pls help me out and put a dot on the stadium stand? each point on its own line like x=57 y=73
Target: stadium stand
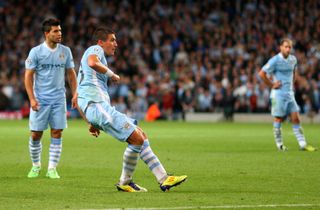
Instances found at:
x=184 y=56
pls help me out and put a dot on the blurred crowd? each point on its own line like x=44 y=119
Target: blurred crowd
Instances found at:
x=183 y=56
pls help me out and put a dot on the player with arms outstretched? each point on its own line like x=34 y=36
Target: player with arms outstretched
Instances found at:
x=46 y=66
x=282 y=67
x=94 y=104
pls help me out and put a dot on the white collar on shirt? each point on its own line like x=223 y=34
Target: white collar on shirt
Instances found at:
x=281 y=56
x=52 y=50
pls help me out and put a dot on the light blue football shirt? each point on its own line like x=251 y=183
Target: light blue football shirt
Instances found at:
x=92 y=85
x=49 y=66
x=282 y=69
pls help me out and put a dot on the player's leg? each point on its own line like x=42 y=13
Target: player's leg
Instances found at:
x=38 y=122
x=278 y=112
x=130 y=160
x=105 y=117
x=55 y=150
x=118 y=125
x=277 y=132
x=150 y=159
x=155 y=166
x=298 y=132
x=58 y=122
x=35 y=148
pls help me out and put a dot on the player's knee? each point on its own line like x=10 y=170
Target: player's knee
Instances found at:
x=278 y=119
x=140 y=140
x=296 y=121
x=142 y=133
x=295 y=118
x=56 y=133
x=136 y=138
x=36 y=135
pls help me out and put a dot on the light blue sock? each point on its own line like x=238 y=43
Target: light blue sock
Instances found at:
x=298 y=132
x=35 y=148
x=153 y=162
x=54 y=152
x=130 y=159
x=277 y=134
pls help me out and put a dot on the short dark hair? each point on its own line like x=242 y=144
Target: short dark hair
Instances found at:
x=286 y=40
x=46 y=25
x=101 y=33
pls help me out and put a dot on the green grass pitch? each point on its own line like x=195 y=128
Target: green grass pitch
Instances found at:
x=228 y=164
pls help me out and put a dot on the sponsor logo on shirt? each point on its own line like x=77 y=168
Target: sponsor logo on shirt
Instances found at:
x=48 y=66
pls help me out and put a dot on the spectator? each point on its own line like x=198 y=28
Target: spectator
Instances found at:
x=188 y=102
x=4 y=101
x=17 y=100
x=120 y=105
x=228 y=104
x=167 y=103
x=262 y=94
x=197 y=45
x=204 y=101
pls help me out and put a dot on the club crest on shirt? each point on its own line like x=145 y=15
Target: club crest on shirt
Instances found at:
x=61 y=56
x=126 y=125
x=96 y=50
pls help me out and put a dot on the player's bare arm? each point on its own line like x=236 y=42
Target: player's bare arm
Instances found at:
x=72 y=80
x=28 y=82
x=268 y=82
x=94 y=63
x=296 y=75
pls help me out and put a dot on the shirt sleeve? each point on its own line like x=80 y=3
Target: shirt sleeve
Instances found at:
x=97 y=50
x=32 y=61
x=269 y=66
x=69 y=62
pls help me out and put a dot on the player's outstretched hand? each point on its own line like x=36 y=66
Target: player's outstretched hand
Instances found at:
x=94 y=131
x=34 y=105
x=115 y=77
x=276 y=85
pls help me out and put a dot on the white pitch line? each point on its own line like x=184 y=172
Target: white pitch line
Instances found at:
x=219 y=207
